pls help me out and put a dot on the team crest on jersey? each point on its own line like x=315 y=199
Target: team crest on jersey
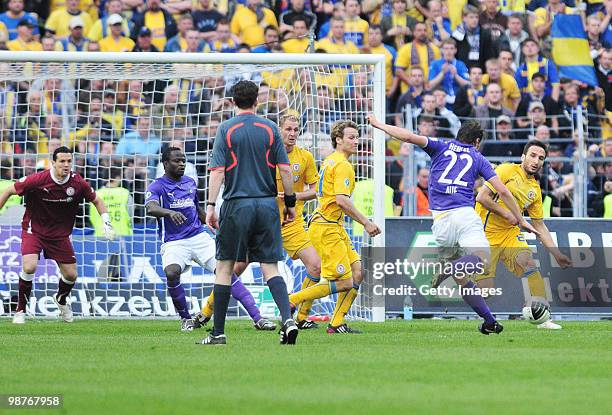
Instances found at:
x=347 y=182
x=70 y=191
x=340 y=269
x=296 y=167
x=23 y=179
x=531 y=194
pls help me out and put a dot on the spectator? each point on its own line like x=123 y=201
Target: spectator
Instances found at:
x=355 y=28
x=438 y=26
x=205 y=19
x=441 y=105
x=140 y=141
x=320 y=118
x=27 y=127
x=568 y=109
x=337 y=11
x=116 y=42
x=534 y=62
x=178 y=43
x=271 y=39
x=395 y=173
x=193 y=43
x=76 y=42
x=514 y=38
x=101 y=27
x=299 y=41
x=49 y=44
x=398 y=26
x=511 y=94
x=542 y=134
x=25 y=40
x=420 y=52
x=144 y=41
x=492 y=109
x=226 y=41
x=544 y=17
x=493 y=20
x=603 y=70
x=502 y=145
x=474 y=44
x=594 y=36
x=451 y=74
x=413 y=96
x=296 y=10
x=422 y=192
x=335 y=42
x=93 y=47
x=551 y=107
x=14 y=14
x=376 y=46
x=59 y=21
x=170 y=112
x=429 y=109
x=249 y=21
x=536 y=116
x=159 y=21
x=507 y=63
x=557 y=182
x=471 y=95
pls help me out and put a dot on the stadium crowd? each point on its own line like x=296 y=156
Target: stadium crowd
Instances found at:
x=446 y=61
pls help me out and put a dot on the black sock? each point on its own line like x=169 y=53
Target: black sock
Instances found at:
x=278 y=289
x=222 y=296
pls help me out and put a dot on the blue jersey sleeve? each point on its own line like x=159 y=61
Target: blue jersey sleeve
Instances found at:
x=486 y=171
x=434 y=146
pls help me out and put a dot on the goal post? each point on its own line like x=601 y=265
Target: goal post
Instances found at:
x=92 y=101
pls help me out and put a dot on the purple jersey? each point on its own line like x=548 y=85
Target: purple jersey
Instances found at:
x=181 y=196
x=455 y=167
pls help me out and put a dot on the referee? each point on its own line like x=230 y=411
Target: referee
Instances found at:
x=246 y=151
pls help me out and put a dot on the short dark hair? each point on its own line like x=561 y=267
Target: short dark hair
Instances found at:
x=270 y=27
x=535 y=143
x=243 y=46
x=539 y=75
x=61 y=150
x=299 y=19
x=222 y=22
x=115 y=173
x=168 y=152
x=244 y=94
x=376 y=27
x=470 y=132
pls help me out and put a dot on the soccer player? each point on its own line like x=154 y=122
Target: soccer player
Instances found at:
x=172 y=199
x=506 y=239
x=52 y=200
x=246 y=153
x=295 y=239
x=455 y=166
x=340 y=263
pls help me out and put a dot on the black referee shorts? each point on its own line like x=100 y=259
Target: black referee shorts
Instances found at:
x=249 y=228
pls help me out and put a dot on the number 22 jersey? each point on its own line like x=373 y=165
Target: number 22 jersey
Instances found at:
x=455 y=167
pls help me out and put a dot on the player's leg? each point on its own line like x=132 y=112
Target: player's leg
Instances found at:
x=312 y=261
x=176 y=257
x=29 y=264
x=64 y=287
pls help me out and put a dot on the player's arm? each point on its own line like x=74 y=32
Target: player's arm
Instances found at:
x=290 y=197
x=155 y=210
x=545 y=237
x=309 y=193
x=346 y=204
x=6 y=194
x=399 y=133
x=485 y=198
x=109 y=232
x=510 y=202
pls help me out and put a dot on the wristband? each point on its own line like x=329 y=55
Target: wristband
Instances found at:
x=290 y=200
x=105 y=217
x=211 y=204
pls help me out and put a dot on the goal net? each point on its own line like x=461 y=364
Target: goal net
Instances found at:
x=117 y=112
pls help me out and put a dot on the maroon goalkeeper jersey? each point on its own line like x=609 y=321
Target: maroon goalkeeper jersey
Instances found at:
x=51 y=207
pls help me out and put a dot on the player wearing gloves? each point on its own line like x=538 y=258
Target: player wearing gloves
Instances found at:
x=52 y=199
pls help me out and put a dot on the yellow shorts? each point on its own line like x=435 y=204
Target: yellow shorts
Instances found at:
x=506 y=246
x=335 y=248
x=295 y=238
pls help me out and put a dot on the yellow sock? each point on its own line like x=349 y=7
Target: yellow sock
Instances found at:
x=343 y=305
x=319 y=290
x=536 y=285
x=305 y=307
x=207 y=310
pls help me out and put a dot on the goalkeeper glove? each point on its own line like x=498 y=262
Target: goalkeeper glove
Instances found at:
x=109 y=232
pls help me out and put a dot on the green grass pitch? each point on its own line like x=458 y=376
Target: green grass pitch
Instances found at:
x=398 y=367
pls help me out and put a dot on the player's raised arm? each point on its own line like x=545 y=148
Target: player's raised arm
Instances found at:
x=549 y=243
x=6 y=194
x=400 y=133
x=510 y=202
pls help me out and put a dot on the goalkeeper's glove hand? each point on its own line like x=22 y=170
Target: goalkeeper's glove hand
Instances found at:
x=109 y=232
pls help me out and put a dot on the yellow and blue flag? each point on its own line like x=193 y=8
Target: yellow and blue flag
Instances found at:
x=571 y=52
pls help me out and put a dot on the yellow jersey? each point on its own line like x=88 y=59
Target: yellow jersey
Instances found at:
x=18 y=45
x=356 y=31
x=509 y=87
x=296 y=45
x=87 y=6
x=382 y=49
x=244 y=24
x=337 y=177
x=526 y=191
x=156 y=23
x=304 y=172
x=123 y=44
x=330 y=45
x=404 y=59
x=98 y=32
x=59 y=21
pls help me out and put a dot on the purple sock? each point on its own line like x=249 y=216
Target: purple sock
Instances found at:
x=472 y=260
x=242 y=294
x=477 y=303
x=177 y=292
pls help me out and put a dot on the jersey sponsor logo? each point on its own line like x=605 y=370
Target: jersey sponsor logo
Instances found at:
x=181 y=203
x=70 y=191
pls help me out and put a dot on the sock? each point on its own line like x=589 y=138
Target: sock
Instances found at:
x=536 y=283
x=25 y=290
x=473 y=260
x=343 y=305
x=305 y=307
x=244 y=296
x=320 y=290
x=222 y=295
x=278 y=289
x=63 y=289
x=207 y=310
x=477 y=303
x=177 y=292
